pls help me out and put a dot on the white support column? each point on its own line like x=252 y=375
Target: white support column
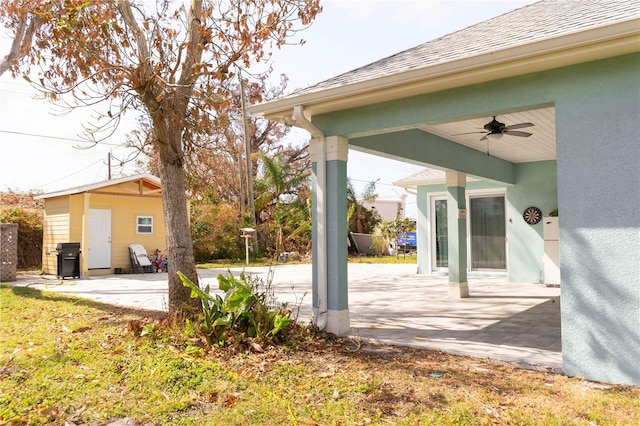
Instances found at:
x=337 y=255
x=423 y=232
x=84 y=243
x=330 y=234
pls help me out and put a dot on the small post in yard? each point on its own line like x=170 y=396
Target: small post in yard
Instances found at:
x=246 y=234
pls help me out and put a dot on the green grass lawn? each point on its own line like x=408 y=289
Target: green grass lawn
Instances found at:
x=70 y=360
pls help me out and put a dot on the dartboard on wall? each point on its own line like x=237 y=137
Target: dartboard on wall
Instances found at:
x=532 y=215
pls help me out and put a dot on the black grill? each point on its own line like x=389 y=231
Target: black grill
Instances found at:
x=68 y=260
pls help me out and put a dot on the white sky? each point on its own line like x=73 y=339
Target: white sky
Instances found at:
x=347 y=35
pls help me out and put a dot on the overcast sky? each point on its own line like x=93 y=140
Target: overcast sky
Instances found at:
x=345 y=36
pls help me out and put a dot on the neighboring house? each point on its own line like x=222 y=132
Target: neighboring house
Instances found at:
x=389 y=208
x=571 y=68
x=105 y=218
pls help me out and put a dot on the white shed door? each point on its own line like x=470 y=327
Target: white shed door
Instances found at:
x=99 y=239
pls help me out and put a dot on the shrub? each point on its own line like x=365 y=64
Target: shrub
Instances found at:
x=215 y=229
x=30 y=231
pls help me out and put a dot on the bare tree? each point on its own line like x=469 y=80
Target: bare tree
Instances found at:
x=164 y=59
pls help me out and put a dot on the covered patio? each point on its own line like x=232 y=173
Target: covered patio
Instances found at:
x=512 y=322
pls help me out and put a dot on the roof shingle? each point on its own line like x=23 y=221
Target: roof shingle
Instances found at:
x=536 y=22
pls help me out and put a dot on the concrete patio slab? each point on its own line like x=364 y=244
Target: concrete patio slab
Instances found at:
x=388 y=303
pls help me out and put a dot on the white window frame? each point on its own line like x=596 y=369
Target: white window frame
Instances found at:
x=144 y=225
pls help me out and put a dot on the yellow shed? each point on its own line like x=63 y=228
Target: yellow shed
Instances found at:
x=105 y=218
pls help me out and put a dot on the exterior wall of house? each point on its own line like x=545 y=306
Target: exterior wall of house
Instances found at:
x=598 y=147
x=75 y=217
x=536 y=186
x=55 y=230
x=124 y=212
x=388 y=209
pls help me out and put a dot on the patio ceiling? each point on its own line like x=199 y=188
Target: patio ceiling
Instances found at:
x=540 y=146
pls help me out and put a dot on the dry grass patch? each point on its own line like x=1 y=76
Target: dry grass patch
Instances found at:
x=70 y=360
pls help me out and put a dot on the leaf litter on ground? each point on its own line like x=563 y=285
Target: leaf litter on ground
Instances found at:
x=109 y=372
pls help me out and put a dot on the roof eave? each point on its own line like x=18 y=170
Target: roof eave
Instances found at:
x=578 y=47
x=98 y=185
x=411 y=183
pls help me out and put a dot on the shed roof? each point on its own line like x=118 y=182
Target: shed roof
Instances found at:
x=147 y=184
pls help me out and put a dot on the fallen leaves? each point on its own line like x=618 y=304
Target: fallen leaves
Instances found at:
x=320 y=381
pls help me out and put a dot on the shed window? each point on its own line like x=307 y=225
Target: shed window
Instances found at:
x=144 y=225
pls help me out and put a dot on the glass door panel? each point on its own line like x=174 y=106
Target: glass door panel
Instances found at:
x=488 y=244
x=441 y=240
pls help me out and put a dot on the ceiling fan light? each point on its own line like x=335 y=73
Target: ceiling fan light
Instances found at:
x=494 y=136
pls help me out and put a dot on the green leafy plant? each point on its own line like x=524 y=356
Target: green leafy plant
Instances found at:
x=245 y=311
x=212 y=320
x=148 y=330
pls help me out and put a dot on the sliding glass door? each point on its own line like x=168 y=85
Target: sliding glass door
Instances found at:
x=488 y=233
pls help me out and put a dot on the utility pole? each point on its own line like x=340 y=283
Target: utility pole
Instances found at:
x=247 y=148
x=109 y=166
x=243 y=205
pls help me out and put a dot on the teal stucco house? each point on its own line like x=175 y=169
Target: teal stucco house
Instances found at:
x=562 y=79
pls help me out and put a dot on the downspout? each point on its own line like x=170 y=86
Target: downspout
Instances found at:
x=321 y=184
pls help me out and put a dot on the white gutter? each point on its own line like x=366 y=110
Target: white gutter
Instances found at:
x=321 y=232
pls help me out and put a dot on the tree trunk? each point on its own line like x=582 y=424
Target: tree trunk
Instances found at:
x=176 y=218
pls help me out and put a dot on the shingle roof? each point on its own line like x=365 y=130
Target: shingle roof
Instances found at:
x=536 y=22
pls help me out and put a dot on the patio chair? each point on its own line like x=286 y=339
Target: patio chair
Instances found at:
x=139 y=260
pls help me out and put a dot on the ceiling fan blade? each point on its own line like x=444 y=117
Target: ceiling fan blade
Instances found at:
x=518 y=126
x=469 y=133
x=517 y=133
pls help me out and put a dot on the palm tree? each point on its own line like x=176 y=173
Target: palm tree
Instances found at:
x=277 y=189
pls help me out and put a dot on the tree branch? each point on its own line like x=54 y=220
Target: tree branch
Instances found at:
x=24 y=34
x=124 y=7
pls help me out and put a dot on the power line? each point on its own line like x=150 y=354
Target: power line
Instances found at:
x=366 y=181
x=74 y=173
x=56 y=137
